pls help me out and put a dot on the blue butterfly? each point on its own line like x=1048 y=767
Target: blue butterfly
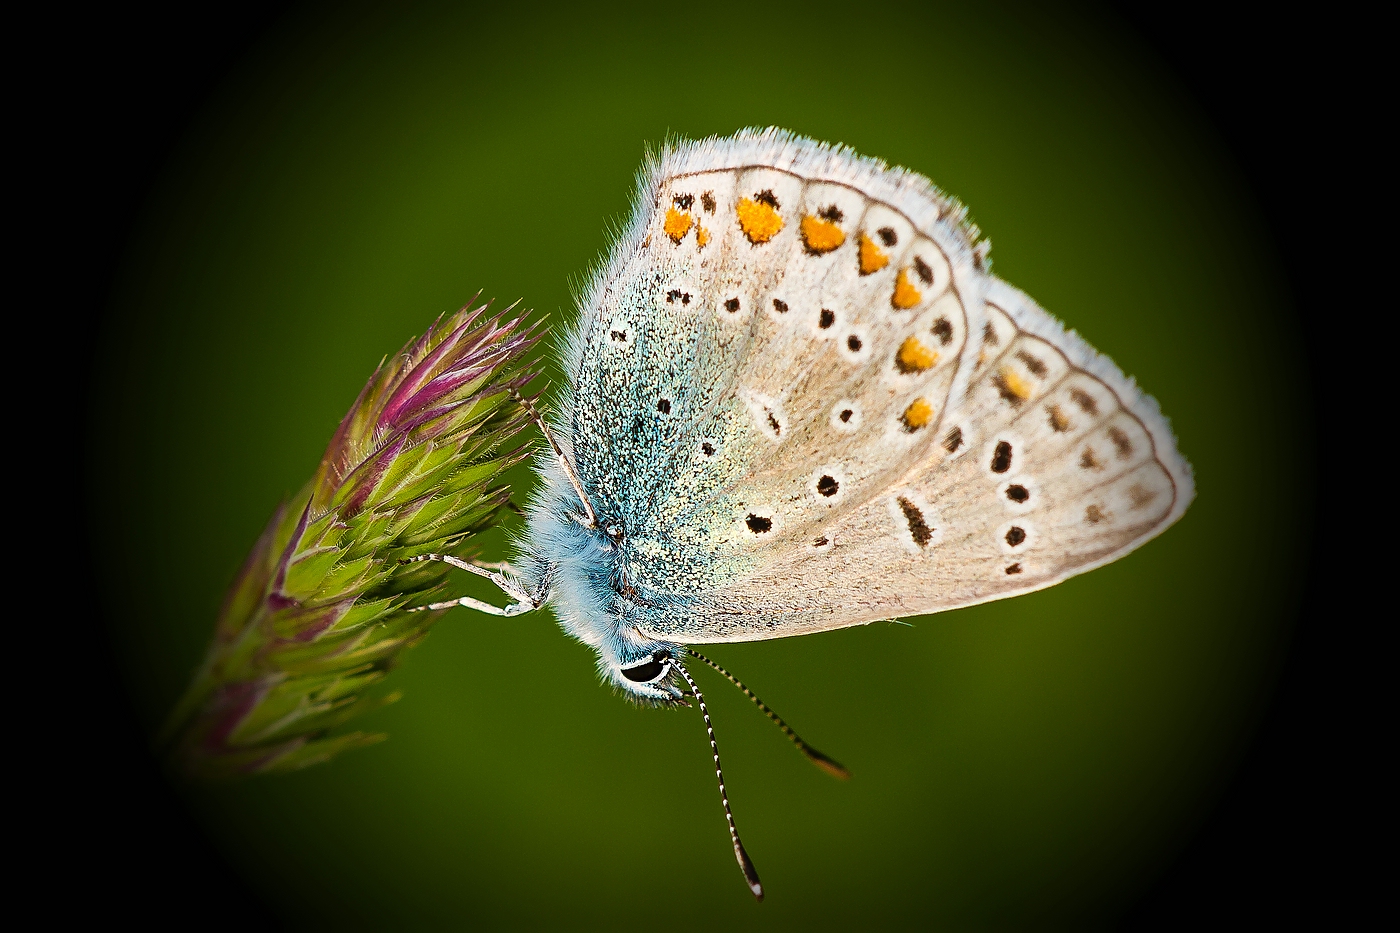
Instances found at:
x=798 y=400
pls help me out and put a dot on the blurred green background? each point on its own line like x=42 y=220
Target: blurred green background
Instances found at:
x=1031 y=762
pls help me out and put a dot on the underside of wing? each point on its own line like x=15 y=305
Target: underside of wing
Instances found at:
x=1053 y=463
x=805 y=404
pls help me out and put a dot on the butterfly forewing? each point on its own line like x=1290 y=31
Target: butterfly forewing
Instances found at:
x=854 y=341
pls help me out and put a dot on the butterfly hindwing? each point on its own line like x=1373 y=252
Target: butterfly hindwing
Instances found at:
x=1060 y=465
x=809 y=406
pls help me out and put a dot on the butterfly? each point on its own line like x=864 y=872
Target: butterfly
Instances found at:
x=798 y=400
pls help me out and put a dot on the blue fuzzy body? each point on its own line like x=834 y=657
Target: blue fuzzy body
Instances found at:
x=599 y=590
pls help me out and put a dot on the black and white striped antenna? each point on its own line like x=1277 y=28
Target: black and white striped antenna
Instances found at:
x=745 y=863
x=825 y=762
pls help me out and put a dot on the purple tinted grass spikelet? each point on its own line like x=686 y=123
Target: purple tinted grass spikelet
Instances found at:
x=317 y=614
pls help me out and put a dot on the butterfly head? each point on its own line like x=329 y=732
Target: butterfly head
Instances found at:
x=651 y=677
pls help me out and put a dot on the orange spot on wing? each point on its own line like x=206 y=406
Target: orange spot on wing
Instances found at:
x=905 y=294
x=872 y=258
x=917 y=415
x=914 y=357
x=1013 y=388
x=702 y=236
x=677 y=224
x=759 y=221
x=821 y=236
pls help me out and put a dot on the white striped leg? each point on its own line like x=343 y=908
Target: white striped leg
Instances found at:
x=500 y=565
x=589 y=518
x=524 y=602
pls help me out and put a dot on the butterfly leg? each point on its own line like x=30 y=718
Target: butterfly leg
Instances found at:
x=501 y=565
x=523 y=601
x=514 y=609
x=589 y=518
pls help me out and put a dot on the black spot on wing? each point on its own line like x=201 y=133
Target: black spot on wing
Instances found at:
x=914 y=517
x=1001 y=457
x=1121 y=443
x=1032 y=363
x=1085 y=401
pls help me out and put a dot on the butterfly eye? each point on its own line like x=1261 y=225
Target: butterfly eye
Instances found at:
x=648 y=671
x=614 y=532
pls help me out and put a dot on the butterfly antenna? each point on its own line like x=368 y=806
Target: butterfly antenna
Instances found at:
x=745 y=864
x=590 y=518
x=829 y=765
